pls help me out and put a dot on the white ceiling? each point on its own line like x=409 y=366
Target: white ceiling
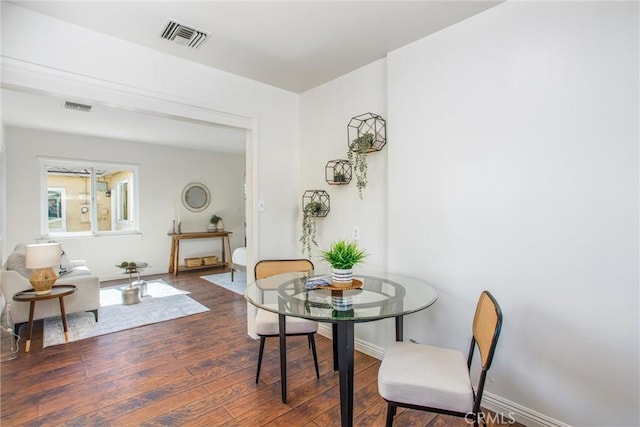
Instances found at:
x=293 y=45
x=44 y=112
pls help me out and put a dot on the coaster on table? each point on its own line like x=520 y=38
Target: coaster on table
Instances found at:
x=327 y=283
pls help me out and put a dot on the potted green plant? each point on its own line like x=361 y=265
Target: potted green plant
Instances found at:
x=215 y=221
x=339 y=177
x=357 y=156
x=309 y=214
x=343 y=256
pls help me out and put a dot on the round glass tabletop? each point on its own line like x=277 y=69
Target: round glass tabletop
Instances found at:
x=381 y=296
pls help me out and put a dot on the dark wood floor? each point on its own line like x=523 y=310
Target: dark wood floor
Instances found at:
x=196 y=370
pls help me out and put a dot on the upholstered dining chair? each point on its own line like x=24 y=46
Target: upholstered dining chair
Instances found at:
x=435 y=379
x=267 y=322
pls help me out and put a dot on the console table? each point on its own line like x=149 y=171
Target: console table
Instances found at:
x=174 y=257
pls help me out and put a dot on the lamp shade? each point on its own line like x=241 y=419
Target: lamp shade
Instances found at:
x=43 y=255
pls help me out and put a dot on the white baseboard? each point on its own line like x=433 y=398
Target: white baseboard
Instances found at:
x=362 y=346
x=522 y=414
x=507 y=409
x=324 y=329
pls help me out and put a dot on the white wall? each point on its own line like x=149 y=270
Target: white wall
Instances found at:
x=163 y=172
x=513 y=167
x=75 y=52
x=325 y=112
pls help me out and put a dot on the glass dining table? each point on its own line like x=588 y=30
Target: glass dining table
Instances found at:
x=373 y=297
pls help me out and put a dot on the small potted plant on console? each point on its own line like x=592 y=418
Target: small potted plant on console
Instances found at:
x=215 y=223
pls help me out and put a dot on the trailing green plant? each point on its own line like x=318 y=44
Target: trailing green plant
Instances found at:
x=343 y=255
x=357 y=156
x=309 y=214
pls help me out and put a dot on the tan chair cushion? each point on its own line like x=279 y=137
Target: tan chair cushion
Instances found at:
x=267 y=324
x=426 y=376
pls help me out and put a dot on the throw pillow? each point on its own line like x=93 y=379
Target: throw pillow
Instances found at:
x=17 y=261
x=65 y=266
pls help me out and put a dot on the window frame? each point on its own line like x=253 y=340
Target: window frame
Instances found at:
x=133 y=196
x=118 y=201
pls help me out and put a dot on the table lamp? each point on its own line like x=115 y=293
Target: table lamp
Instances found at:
x=42 y=257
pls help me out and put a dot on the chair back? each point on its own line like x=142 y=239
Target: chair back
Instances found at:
x=487 y=323
x=271 y=267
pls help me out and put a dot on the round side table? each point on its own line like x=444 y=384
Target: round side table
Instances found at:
x=30 y=296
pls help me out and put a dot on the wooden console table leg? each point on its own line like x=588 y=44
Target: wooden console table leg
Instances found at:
x=226 y=251
x=176 y=258
x=175 y=255
x=172 y=255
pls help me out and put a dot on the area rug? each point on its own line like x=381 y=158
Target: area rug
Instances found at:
x=163 y=303
x=224 y=281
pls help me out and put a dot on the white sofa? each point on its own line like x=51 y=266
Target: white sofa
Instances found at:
x=14 y=278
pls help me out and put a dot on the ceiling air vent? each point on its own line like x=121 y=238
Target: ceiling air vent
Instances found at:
x=184 y=35
x=77 y=107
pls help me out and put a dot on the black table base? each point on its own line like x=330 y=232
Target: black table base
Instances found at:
x=343 y=356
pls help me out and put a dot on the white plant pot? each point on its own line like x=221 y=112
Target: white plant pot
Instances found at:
x=342 y=277
x=341 y=303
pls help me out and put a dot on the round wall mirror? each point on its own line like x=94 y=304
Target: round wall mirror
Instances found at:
x=196 y=197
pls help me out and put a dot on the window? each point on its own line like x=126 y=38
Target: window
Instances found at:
x=87 y=198
x=56 y=208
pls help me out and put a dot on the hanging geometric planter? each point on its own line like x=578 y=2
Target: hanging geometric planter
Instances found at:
x=366 y=133
x=370 y=125
x=338 y=172
x=315 y=203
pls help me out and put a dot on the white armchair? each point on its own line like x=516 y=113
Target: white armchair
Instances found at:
x=239 y=260
x=86 y=297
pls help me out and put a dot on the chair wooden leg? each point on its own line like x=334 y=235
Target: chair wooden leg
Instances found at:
x=391 y=412
x=312 y=342
x=262 y=339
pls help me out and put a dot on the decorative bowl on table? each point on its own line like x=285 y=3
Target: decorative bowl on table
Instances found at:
x=132 y=267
